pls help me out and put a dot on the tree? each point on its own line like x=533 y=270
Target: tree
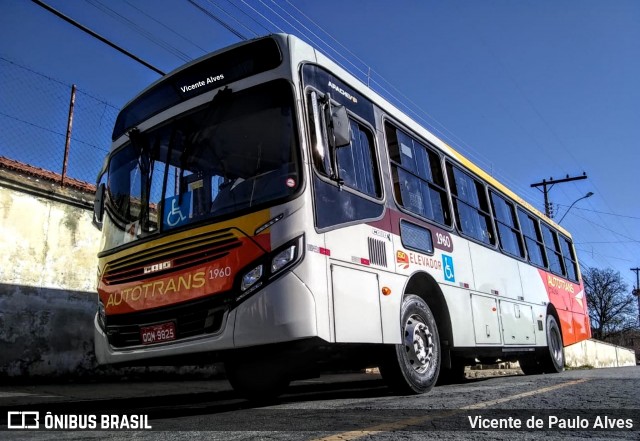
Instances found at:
x=611 y=304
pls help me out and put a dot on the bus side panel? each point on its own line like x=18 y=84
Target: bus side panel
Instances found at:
x=459 y=304
x=494 y=273
x=355 y=285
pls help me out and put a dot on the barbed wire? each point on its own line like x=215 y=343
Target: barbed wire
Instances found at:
x=34 y=113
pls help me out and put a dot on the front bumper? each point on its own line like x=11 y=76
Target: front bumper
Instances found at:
x=283 y=311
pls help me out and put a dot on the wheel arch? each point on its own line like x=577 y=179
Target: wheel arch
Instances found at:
x=551 y=310
x=425 y=286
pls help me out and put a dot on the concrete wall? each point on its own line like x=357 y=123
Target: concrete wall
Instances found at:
x=48 y=264
x=598 y=354
x=47 y=277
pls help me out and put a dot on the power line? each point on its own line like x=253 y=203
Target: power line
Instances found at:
x=407 y=104
x=631 y=239
x=218 y=20
x=603 y=255
x=249 y=17
x=96 y=35
x=165 y=26
x=138 y=29
x=232 y=17
x=262 y=15
x=601 y=212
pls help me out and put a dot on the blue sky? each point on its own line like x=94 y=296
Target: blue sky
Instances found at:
x=527 y=89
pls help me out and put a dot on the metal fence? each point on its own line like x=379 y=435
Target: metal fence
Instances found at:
x=34 y=117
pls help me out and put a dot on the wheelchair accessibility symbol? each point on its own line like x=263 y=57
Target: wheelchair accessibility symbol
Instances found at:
x=174 y=212
x=447 y=267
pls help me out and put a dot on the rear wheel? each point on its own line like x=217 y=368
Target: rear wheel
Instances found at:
x=412 y=367
x=552 y=360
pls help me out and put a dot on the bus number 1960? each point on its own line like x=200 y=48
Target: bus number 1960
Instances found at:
x=443 y=240
x=220 y=273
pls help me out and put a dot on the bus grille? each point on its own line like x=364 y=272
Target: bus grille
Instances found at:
x=377 y=252
x=180 y=254
x=199 y=317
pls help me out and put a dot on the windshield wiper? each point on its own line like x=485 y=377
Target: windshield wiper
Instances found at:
x=140 y=143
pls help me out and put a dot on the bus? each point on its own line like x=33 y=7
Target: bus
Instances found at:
x=262 y=207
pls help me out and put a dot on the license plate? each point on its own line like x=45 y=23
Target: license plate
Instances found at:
x=158 y=333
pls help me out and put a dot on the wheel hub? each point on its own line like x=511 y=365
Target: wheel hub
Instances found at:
x=418 y=343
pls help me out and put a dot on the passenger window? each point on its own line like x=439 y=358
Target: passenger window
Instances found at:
x=417 y=177
x=532 y=238
x=553 y=250
x=569 y=258
x=357 y=163
x=470 y=206
x=509 y=234
x=416 y=238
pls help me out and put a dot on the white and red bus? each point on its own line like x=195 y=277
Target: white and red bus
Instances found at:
x=262 y=207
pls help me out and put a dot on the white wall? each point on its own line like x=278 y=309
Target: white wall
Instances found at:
x=598 y=354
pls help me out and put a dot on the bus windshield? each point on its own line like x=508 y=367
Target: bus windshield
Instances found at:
x=236 y=154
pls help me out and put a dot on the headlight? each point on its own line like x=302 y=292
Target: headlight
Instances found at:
x=250 y=279
x=283 y=258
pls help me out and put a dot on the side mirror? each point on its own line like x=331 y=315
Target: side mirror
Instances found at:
x=340 y=126
x=98 y=206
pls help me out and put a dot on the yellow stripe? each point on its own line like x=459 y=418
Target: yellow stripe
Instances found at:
x=522 y=395
x=403 y=424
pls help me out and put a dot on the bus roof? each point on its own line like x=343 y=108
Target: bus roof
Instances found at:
x=400 y=115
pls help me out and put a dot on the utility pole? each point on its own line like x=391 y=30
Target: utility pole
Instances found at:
x=67 y=143
x=636 y=291
x=548 y=185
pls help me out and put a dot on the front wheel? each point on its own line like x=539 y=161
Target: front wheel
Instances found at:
x=552 y=361
x=412 y=367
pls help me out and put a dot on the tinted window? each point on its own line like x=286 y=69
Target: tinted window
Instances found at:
x=470 y=206
x=357 y=162
x=198 y=78
x=569 y=258
x=532 y=239
x=553 y=250
x=417 y=176
x=507 y=226
x=416 y=238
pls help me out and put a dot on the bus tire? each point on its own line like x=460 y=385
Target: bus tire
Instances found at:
x=257 y=381
x=552 y=360
x=412 y=367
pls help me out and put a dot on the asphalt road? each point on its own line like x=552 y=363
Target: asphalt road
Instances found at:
x=594 y=404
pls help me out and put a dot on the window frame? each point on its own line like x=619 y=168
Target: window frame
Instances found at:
x=556 y=250
x=450 y=166
x=377 y=173
x=572 y=258
x=539 y=240
x=410 y=224
x=516 y=228
x=441 y=189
